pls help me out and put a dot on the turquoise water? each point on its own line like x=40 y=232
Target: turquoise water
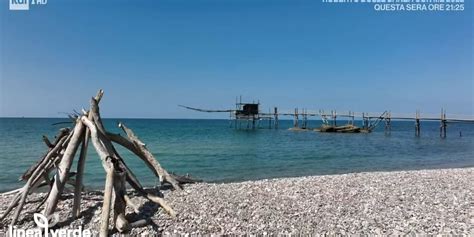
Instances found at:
x=211 y=150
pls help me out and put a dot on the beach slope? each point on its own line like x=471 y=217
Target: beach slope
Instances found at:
x=423 y=202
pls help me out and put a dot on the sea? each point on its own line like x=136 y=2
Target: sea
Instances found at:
x=214 y=151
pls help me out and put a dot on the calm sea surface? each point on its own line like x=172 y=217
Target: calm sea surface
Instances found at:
x=211 y=150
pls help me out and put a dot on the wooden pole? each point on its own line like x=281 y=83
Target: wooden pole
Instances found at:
x=363 y=121
x=76 y=208
x=269 y=118
x=63 y=169
x=276 y=117
x=442 y=132
x=388 y=124
x=367 y=121
x=253 y=121
x=109 y=184
x=296 y=120
x=106 y=157
x=417 y=123
x=444 y=124
x=306 y=118
x=121 y=223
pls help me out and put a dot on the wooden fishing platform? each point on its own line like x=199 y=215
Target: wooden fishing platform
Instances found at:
x=249 y=116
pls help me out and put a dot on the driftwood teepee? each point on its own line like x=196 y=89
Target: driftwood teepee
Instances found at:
x=59 y=159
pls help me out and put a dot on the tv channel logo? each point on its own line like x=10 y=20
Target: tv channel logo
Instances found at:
x=19 y=4
x=25 y=4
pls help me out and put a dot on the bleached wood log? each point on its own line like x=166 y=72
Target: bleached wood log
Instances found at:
x=11 y=191
x=158 y=200
x=63 y=168
x=16 y=199
x=135 y=183
x=106 y=157
x=121 y=223
x=185 y=179
x=109 y=184
x=117 y=138
x=38 y=207
x=76 y=208
x=53 y=157
x=60 y=156
x=139 y=188
x=162 y=203
x=101 y=134
x=62 y=132
x=148 y=157
x=131 y=204
x=139 y=223
x=51 y=152
x=32 y=183
x=131 y=178
x=131 y=147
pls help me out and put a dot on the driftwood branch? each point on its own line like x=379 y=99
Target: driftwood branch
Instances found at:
x=59 y=159
x=76 y=208
x=148 y=157
x=131 y=204
x=131 y=178
x=105 y=156
x=62 y=133
x=121 y=223
x=37 y=173
x=47 y=142
x=109 y=184
x=63 y=169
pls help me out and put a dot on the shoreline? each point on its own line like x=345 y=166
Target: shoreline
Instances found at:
x=436 y=201
x=98 y=188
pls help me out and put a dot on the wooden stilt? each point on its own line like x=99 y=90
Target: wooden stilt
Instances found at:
x=253 y=121
x=334 y=117
x=306 y=119
x=388 y=123
x=296 y=119
x=417 y=123
x=442 y=132
x=276 y=117
x=269 y=119
x=363 y=121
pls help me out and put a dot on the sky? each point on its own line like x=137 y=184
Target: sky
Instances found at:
x=150 y=56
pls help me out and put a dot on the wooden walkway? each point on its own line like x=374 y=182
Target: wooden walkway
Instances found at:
x=249 y=115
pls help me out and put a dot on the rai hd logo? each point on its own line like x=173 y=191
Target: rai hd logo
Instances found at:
x=25 y=4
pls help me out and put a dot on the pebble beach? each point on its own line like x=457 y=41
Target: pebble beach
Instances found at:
x=382 y=203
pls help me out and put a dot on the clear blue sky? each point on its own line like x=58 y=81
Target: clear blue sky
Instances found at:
x=149 y=56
